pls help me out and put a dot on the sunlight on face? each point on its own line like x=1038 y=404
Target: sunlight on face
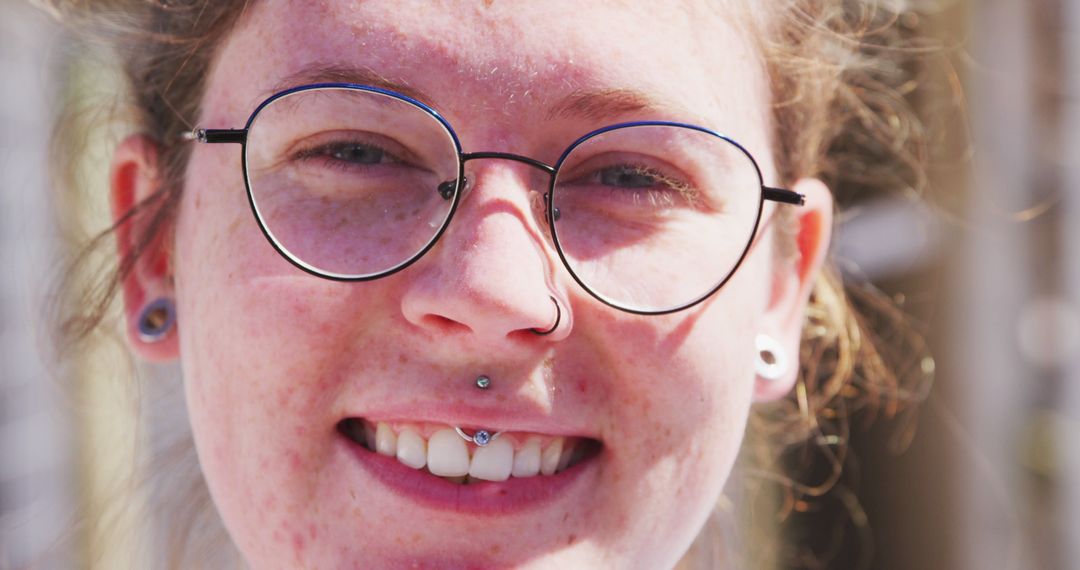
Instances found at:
x=291 y=378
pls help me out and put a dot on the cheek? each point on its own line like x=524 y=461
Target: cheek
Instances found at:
x=677 y=393
x=263 y=357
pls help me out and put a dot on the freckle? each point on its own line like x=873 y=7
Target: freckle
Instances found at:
x=500 y=398
x=571 y=539
x=402 y=359
x=294 y=460
x=495 y=549
x=566 y=516
x=415 y=538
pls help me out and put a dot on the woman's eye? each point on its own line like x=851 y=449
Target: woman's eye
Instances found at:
x=358 y=154
x=347 y=154
x=628 y=177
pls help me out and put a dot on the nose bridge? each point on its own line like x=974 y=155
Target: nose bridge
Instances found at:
x=550 y=170
x=502 y=202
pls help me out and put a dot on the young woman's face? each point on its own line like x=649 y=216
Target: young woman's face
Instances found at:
x=277 y=362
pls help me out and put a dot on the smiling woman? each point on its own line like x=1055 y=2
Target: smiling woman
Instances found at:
x=489 y=284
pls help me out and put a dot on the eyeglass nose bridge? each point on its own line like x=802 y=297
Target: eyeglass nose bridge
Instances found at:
x=447 y=191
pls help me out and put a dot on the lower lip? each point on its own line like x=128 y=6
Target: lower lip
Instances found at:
x=512 y=496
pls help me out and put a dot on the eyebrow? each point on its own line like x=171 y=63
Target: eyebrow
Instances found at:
x=329 y=73
x=601 y=104
x=593 y=104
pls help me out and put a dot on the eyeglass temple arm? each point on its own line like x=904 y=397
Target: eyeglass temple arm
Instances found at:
x=783 y=196
x=217 y=135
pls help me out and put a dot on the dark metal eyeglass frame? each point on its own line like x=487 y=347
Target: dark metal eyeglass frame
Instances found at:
x=239 y=136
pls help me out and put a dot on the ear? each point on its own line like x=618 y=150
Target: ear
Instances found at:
x=793 y=281
x=133 y=180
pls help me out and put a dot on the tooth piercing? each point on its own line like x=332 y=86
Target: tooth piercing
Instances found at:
x=771 y=361
x=558 y=319
x=156 y=320
x=483 y=382
x=480 y=438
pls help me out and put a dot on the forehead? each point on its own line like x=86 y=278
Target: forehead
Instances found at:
x=505 y=59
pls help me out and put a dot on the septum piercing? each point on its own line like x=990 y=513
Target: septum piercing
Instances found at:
x=481 y=438
x=558 y=319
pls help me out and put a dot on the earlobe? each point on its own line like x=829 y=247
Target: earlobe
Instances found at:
x=793 y=282
x=136 y=200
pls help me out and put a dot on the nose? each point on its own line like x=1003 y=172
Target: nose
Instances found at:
x=491 y=278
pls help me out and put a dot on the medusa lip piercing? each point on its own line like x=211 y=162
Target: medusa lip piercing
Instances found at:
x=483 y=382
x=480 y=438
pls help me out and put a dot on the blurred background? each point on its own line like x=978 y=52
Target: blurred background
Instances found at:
x=987 y=265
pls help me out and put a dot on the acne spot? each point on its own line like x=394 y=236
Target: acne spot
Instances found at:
x=402 y=359
x=298 y=542
x=294 y=460
x=571 y=539
x=582 y=386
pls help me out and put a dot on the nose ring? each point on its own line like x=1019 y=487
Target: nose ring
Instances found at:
x=558 y=319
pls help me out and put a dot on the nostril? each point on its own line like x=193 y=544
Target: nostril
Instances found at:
x=444 y=325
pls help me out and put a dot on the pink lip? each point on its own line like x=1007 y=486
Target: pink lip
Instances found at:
x=487 y=499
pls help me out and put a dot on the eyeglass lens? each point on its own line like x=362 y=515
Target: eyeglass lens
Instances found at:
x=353 y=184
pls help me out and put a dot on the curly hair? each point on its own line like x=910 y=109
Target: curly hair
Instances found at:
x=844 y=74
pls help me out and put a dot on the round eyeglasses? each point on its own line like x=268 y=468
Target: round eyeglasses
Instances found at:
x=353 y=182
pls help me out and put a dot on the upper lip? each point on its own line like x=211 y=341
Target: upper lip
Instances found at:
x=504 y=418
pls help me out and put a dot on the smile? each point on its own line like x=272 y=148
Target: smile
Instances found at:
x=439 y=450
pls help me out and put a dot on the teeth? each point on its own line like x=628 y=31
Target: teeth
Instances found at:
x=411 y=449
x=564 y=458
x=369 y=435
x=493 y=462
x=385 y=440
x=549 y=460
x=447 y=454
x=527 y=459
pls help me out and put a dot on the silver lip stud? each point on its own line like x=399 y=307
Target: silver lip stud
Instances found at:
x=481 y=438
x=483 y=382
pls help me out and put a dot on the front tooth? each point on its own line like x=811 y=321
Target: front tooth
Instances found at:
x=564 y=458
x=447 y=455
x=527 y=459
x=385 y=440
x=411 y=449
x=493 y=462
x=549 y=461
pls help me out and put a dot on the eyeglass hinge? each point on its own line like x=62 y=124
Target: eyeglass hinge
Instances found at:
x=783 y=196
x=219 y=135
